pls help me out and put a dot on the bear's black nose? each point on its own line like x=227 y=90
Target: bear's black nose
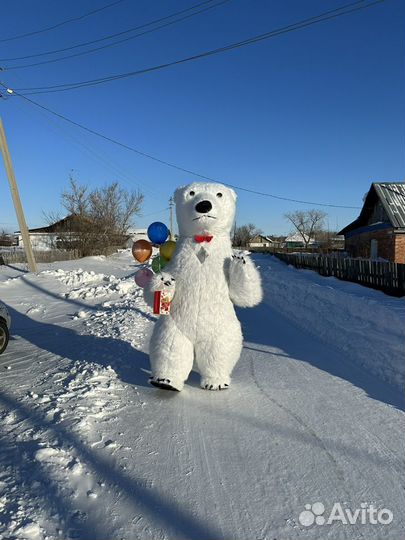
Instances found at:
x=203 y=207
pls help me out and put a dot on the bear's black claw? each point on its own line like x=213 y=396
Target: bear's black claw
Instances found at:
x=160 y=383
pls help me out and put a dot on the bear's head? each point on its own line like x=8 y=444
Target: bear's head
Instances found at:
x=204 y=208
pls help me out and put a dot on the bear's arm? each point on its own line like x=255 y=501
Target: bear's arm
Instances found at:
x=245 y=286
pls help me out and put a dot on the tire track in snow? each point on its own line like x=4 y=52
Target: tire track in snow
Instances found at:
x=339 y=474
x=301 y=422
x=208 y=469
x=378 y=496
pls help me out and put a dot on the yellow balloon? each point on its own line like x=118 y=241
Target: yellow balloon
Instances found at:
x=167 y=249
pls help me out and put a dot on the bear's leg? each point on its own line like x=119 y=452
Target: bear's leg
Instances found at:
x=171 y=355
x=217 y=356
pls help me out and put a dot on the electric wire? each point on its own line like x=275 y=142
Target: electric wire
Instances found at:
x=332 y=14
x=173 y=165
x=128 y=178
x=96 y=49
x=57 y=126
x=62 y=23
x=124 y=177
x=155 y=213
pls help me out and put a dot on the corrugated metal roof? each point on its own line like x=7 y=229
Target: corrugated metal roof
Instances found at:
x=392 y=196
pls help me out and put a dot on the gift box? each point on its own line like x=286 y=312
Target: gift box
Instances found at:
x=161 y=302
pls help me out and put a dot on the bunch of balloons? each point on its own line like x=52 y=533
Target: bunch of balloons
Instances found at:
x=142 y=251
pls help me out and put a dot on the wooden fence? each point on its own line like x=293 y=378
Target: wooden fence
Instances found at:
x=385 y=276
x=52 y=255
x=17 y=255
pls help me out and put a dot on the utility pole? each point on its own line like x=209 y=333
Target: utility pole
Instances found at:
x=32 y=265
x=171 y=205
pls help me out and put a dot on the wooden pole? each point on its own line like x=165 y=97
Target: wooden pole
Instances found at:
x=32 y=265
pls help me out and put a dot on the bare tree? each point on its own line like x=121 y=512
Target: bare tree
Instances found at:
x=112 y=208
x=244 y=234
x=307 y=223
x=76 y=198
x=98 y=219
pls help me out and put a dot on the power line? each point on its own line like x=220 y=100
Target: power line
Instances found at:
x=110 y=36
x=62 y=23
x=173 y=165
x=82 y=53
x=328 y=15
x=128 y=178
x=63 y=129
x=154 y=213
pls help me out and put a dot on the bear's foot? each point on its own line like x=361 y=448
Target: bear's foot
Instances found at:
x=166 y=384
x=214 y=383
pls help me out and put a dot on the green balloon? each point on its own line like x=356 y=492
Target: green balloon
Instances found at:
x=158 y=263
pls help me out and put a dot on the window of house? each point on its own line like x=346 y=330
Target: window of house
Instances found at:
x=374 y=249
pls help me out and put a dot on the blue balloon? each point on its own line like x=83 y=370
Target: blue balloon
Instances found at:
x=158 y=232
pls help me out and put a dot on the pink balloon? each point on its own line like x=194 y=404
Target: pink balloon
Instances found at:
x=143 y=277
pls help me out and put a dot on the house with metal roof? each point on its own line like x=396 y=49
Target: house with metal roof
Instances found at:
x=260 y=241
x=379 y=231
x=296 y=240
x=48 y=237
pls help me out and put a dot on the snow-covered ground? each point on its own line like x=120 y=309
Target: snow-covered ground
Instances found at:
x=89 y=450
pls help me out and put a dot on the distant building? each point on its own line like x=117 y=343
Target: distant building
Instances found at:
x=260 y=241
x=337 y=242
x=297 y=241
x=69 y=233
x=277 y=242
x=379 y=231
x=136 y=234
x=46 y=238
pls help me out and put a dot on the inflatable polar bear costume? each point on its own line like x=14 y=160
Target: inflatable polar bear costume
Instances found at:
x=202 y=328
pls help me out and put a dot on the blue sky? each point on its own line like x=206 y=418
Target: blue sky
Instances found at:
x=315 y=114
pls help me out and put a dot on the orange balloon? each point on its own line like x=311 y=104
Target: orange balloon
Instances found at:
x=141 y=250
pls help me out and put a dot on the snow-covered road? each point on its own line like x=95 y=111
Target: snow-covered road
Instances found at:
x=89 y=450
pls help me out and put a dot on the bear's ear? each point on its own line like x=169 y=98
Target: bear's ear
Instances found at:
x=178 y=194
x=233 y=194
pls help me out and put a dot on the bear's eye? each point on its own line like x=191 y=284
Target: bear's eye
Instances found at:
x=192 y=193
x=219 y=195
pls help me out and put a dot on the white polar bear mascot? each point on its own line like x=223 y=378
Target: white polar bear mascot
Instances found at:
x=202 y=329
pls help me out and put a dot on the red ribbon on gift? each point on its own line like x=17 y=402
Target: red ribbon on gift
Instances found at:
x=156 y=302
x=200 y=239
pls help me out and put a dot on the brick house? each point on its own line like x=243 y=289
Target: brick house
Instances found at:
x=379 y=231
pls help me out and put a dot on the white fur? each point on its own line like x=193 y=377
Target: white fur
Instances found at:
x=202 y=328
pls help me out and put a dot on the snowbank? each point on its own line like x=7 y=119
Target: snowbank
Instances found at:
x=366 y=324
x=91 y=284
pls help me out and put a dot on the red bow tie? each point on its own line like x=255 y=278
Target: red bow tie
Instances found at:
x=200 y=239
